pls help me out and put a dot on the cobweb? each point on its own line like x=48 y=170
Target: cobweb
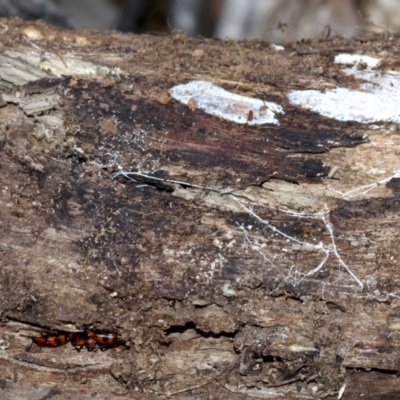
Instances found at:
x=327 y=250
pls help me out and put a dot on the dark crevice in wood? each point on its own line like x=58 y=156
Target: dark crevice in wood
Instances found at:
x=369 y=370
x=180 y=329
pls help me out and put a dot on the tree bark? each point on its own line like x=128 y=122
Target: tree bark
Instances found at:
x=236 y=258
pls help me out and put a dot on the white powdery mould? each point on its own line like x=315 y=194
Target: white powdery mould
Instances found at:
x=354 y=59
x=376 y=100
x=230 y=106
x=277 y=47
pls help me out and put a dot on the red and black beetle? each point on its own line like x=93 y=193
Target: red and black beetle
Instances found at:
x=105 y=341
x=89 y=338
x=52 y=339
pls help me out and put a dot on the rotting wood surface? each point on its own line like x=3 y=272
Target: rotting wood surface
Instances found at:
x=235 y=259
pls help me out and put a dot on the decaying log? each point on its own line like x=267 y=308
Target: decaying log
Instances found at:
x=241 y=247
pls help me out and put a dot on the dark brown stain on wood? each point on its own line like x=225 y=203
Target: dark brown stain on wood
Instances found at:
x=255 y=154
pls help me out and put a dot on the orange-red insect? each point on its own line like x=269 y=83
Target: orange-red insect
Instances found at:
x=83 y=339
x=52 y=340
x=91 y=344
x=89 y=338
x=79 y=340
x=105 y=340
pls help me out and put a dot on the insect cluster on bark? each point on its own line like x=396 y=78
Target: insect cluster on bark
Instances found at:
x=91 y=339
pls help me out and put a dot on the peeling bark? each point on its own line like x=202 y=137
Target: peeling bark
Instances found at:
x=235 y=260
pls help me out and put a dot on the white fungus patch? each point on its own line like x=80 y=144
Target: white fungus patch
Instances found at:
x=230 y=106
x=227 y=290
x=277 y=47
x=377 y=98
x=355 y=59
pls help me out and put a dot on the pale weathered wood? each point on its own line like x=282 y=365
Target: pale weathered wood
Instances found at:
x=202 y=264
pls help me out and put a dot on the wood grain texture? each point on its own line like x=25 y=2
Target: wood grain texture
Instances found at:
x=207 y=265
